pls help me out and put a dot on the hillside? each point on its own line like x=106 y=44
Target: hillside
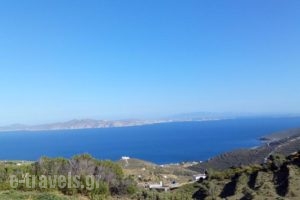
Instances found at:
x=278 y=178
x=284 y=143
x=146 y=173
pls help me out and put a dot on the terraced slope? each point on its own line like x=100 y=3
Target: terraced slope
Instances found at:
x=278 y=178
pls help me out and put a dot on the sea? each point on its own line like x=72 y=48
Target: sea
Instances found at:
x=159 y=143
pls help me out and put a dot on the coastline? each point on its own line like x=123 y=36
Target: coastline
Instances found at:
x=101 y=124
x=267 y=141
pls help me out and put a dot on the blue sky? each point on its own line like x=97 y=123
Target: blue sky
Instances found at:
x=114 y=59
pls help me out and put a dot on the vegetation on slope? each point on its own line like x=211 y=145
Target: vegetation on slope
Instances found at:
x=278 y=178
x=108 y=178
x=284 y=143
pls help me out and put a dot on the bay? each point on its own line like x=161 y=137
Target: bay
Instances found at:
x=158 y=143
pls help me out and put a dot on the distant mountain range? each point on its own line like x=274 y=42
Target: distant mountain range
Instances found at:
x=80 y=124
x=91 y=123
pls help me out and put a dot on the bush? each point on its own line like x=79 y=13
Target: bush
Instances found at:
x=47 y=196
x=277 y=161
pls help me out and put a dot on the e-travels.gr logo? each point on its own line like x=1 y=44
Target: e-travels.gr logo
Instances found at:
x=88 y=182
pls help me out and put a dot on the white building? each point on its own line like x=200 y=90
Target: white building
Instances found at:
x=125 y=158
x=198 y=177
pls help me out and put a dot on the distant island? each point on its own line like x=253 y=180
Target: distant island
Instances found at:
x=81 y=124
x=89 y=124
x=92 y=123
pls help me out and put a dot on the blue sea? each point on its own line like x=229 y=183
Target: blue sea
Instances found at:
x=159 y=143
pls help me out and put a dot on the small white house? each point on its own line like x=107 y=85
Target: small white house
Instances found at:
x=155 y=186
x=198 y=177
x=159 y=187
x=125 y=158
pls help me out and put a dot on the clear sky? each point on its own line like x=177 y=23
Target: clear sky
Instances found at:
x=65 y=59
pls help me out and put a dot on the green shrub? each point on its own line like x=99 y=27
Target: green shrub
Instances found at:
x=47 y=196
